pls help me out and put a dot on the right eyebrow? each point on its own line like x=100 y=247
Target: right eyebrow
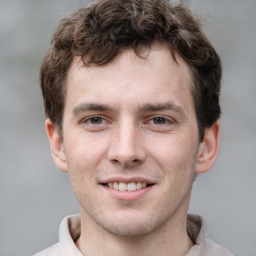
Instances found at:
x=90 y=107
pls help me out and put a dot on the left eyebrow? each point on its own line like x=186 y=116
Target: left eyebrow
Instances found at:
x=161 y=107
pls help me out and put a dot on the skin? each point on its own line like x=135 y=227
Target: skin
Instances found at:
x=132 y=119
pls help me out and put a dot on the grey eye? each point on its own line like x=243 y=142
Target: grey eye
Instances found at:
x=96 y=120
x=159 y=120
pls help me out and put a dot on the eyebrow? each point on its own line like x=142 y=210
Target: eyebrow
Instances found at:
x=161 y=107
x=148 y=107
x=90 y=107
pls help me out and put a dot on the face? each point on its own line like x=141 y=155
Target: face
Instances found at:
x=130 y=141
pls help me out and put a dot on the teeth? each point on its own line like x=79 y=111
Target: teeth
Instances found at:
x=115 y=186
x=131 y=186
x=139 y=185
x=122 y=186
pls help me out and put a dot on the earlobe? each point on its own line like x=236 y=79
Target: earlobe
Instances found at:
x=208 y=149
x=56 y=144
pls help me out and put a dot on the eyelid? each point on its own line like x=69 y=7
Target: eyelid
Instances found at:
x=88 y=118
x=167 y=118
x=168 y=126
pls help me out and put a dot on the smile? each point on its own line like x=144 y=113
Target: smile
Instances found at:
x=122 y=186
x=127 y=188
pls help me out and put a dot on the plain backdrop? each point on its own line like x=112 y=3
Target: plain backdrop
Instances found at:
x=35 y=196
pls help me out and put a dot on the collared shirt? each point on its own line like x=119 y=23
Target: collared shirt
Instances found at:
x=69 y=232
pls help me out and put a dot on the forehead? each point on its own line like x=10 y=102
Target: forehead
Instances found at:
x=156 y=76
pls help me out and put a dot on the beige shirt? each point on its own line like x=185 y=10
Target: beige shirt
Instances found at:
x=70 y=231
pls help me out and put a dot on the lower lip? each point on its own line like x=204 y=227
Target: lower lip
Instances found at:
x=128 y=195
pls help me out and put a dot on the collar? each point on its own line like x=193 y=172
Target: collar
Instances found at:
x=70 y=230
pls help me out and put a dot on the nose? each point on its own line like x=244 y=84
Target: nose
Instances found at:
x=126 y=146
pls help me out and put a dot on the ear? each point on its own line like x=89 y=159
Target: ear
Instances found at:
x=208 y=149
x=56 y=143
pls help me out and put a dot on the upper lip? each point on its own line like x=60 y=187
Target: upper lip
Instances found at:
x=127 y=180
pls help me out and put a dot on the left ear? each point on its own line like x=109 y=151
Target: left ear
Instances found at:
x=208 y=149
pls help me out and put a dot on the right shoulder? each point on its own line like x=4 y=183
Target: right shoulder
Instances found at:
x=50 y=251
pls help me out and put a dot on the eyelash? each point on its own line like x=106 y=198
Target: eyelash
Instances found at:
x=90 y=119
x=165 y=120
x=162 y=120
x=157 y=123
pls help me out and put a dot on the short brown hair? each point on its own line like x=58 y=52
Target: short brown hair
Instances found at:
x=100 y=32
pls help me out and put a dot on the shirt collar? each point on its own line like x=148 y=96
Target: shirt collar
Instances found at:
x=70 y=229
x=197 y=231
x=69 y=232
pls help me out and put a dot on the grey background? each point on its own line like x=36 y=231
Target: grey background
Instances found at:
x=35 y=196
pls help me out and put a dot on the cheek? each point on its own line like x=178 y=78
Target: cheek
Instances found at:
x=85 y=148
x=176 y=161
x=84 y=155
x=175 y=156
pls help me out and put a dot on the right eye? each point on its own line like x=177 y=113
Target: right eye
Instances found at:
x=96 y=120
x=95 y=123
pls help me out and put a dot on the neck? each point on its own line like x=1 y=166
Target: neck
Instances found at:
x=170 y=238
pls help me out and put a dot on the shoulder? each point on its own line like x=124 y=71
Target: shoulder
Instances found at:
x=50 y=251
x=215 y=249
x=197 y=231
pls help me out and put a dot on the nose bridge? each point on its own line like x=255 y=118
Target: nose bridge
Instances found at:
x=126 y=145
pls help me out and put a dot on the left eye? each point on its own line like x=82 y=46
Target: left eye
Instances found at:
x=159 y=120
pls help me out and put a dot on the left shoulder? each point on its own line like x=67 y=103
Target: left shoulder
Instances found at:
x=216 y=249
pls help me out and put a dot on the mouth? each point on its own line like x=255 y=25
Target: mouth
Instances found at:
x=123 y=186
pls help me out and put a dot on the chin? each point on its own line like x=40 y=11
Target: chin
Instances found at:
x=132 y=225
x=130 y=229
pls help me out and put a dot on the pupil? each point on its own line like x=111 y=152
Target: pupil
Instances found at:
x=96 y=120
x=159 y=120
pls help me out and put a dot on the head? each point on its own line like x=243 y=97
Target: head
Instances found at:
x=131 y=94
x=101 y=32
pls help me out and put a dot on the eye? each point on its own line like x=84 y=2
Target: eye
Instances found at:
x=160 y=123
x=159 y=120
x=95 y=123
x=95 y=120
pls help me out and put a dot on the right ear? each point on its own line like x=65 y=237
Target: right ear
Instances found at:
x=56 y=143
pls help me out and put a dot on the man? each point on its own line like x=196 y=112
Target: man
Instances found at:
x=131 y=92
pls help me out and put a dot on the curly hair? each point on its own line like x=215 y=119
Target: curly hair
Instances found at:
x=101 y=31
